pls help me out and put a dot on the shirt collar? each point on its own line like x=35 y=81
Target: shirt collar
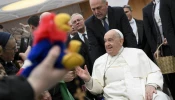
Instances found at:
x=71 y=36
x=156 y=1
x=132 y=21
x=81 y=34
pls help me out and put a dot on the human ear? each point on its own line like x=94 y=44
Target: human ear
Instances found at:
x=121 y=41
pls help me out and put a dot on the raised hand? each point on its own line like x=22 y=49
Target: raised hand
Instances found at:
x=83 y=73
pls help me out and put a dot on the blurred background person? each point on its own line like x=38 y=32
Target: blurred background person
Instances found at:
x=138 y=30
x=8 y=44
x=156 y=36
x=167 y=15
x=71 y=33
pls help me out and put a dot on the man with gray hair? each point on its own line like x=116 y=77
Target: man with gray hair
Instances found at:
x=77 y=21
x=123 y=73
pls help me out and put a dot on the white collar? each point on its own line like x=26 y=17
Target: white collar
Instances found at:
x=132 y=21
x=156 y=1
x=82 y=33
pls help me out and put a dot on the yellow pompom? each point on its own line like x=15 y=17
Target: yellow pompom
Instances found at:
x=74 y=46
x=61 y=20
x=72 y=60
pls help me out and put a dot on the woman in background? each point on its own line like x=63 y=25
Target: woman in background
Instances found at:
x=8 y=50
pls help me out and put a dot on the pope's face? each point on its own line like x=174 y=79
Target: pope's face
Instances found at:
x=113 y=43
x=77 y=22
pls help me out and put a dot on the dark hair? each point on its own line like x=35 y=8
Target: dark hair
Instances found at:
x=33 y=20
x=127 y=6
x=1 y=27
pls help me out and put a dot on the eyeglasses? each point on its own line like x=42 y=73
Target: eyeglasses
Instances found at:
x=75 y=21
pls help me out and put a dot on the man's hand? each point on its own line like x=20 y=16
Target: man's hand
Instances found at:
x=83 y=73
x=69 y=76
x=149 y=92
x=156 y=54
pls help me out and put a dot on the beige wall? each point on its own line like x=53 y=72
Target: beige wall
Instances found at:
x=85 y=9
x=137 y=6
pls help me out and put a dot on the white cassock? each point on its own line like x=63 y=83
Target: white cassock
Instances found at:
x=124 y=76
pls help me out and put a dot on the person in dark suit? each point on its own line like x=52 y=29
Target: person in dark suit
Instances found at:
x=167 y=15
x=138 y=30
x=71 y=33
x=77 y=21
x=104 y=18
x=155 y=36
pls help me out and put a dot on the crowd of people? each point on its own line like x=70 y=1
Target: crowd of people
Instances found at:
x=119 y=53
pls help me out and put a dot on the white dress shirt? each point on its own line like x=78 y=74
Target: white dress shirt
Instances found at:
x=71 y=36
x=81 y=35
x=106 y=19
x=157 y=18
x=134 y=28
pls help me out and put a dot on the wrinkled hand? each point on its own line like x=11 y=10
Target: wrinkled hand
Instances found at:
x=69 y=76
x=24 y=55
x=83 y=73
x=149 y=92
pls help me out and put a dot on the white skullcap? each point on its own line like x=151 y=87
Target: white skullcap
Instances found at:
x=119 y=32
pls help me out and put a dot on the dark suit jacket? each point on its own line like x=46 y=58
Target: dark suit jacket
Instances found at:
x=95 y=30
x=85 y=53
x=141 y=34
x=142 y=43
x=68 y=40
x=150 y=27
x=152 y=31
x=167 y=14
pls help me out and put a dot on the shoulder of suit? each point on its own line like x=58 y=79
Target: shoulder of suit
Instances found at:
x=116 y=9
x=90 y=19
x=148 y=5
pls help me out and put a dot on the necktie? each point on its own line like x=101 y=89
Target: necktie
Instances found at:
x=85 y=39
x=106 y=26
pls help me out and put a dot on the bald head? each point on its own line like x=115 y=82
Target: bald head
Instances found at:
x=113 y=41
x=44 y=14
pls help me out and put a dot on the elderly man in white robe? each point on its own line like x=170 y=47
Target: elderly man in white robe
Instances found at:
x=123 y=73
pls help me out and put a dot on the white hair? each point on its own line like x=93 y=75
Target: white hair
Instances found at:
x=76 y=14
x=119 y=33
